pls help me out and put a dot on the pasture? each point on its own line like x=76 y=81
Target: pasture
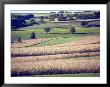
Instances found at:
x=57 y=53
x=54 y=32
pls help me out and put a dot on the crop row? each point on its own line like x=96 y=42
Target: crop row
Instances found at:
x=50 y=57
x=51 y=50
x=57 y=66
x=58 y=41
x=83 y=41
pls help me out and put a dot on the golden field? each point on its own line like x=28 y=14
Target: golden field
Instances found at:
x=55 y=66
x=80 y=56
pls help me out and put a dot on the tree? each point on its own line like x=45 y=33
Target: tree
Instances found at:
x=32 y=21
x=42 y=21
x=33 y=36
x=83 y=23
x=72 y=30
x=47 y=29
x=61 y=12
x=51 y=17
x=19 y=40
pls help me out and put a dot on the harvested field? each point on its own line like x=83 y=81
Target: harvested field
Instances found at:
x=36 y=51
x=57 y=66
x=79 y=56
x=57 y=56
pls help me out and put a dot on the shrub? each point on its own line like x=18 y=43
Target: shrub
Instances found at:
x=47 y=29
x=72 y=30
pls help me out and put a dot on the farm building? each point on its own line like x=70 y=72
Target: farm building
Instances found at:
x=56 y=23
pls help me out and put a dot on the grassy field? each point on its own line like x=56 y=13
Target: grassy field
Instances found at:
x=55 y=32
x=71 y=75
x=57 y=53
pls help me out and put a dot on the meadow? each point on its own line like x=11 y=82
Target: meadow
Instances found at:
x=54 y=32
x=57 y=53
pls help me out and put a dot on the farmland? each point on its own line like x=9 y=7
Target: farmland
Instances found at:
x=65 y=54
x=55 y=32
x=57 y=53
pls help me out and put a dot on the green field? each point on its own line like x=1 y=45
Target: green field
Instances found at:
x=71 y=75
x=57 y=40
x=54 y=32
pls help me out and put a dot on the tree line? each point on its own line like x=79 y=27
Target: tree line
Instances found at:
x=20 y=20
